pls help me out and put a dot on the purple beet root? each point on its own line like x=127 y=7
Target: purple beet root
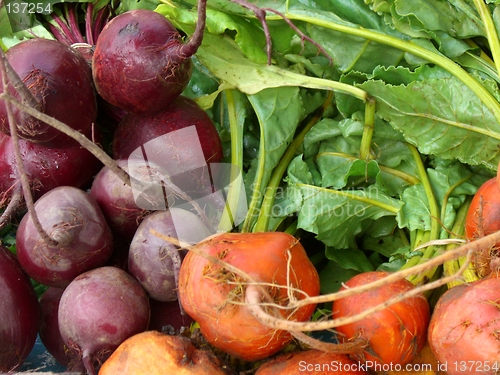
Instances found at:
x=19 y=313
x=181 y=140
x=74 y=220
x=156 y=262
x=136 y=131
x=140 y=62
x=99 y=310
x=117 y=200
x=61 y=82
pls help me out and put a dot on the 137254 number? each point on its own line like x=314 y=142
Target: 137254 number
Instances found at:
x=476 y=366
x=28 y=8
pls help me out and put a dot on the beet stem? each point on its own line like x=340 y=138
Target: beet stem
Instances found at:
x=260 y=13
x=73 y=24
x=88 y=24
x=87 y=363
x=66 y=31
x=12 y=207
x=303 y=36
x=261 y=16
x=60 y=35
x=189 y=49
x=28 y=197
x=100 y=21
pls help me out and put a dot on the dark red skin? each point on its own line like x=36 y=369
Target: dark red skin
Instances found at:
x=117 y=202
x=49 y=329
x=19 y=313
x=464 y=328
x=99 y=310
x=136 y=130
x=136 y=64
x=75 y=216
x=47 y=168
x=61 y=80
x=154 y=262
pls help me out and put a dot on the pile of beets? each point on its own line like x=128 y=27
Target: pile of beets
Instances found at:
x=100 y=153
x=86 y=234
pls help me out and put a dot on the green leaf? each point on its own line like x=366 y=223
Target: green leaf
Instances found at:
x=354 y=53
x=337 y=216
x=248 y=37
x=383 y=237
x=126 y=5
x=336 y=169
x=332 y=276
x=353 y=259
x=335 y=146
x=415 y=213
x=457 y=17
x=279 y=111
x=298 y=171
x=441 y=117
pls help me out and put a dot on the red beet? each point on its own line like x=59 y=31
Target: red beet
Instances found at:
x=99 y=310
x=137 y=130
x=46 y=167
x=154 y=262
x=465 y=326
x=181 y=140
x=19 y=313
x=117 y=200
x=72 y=218
x=60 y=80
x=140 y=63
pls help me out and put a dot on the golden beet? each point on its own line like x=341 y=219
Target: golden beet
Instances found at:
x=156 y=353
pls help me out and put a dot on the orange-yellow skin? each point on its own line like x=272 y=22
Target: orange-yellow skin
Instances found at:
x=208 y=296
x=483 y=218
x=156 y=353
x=396 y=334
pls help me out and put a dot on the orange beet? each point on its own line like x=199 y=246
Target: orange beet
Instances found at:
x=483 y=218
x=214 y=296
x=156 y=353
x=394 y=335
